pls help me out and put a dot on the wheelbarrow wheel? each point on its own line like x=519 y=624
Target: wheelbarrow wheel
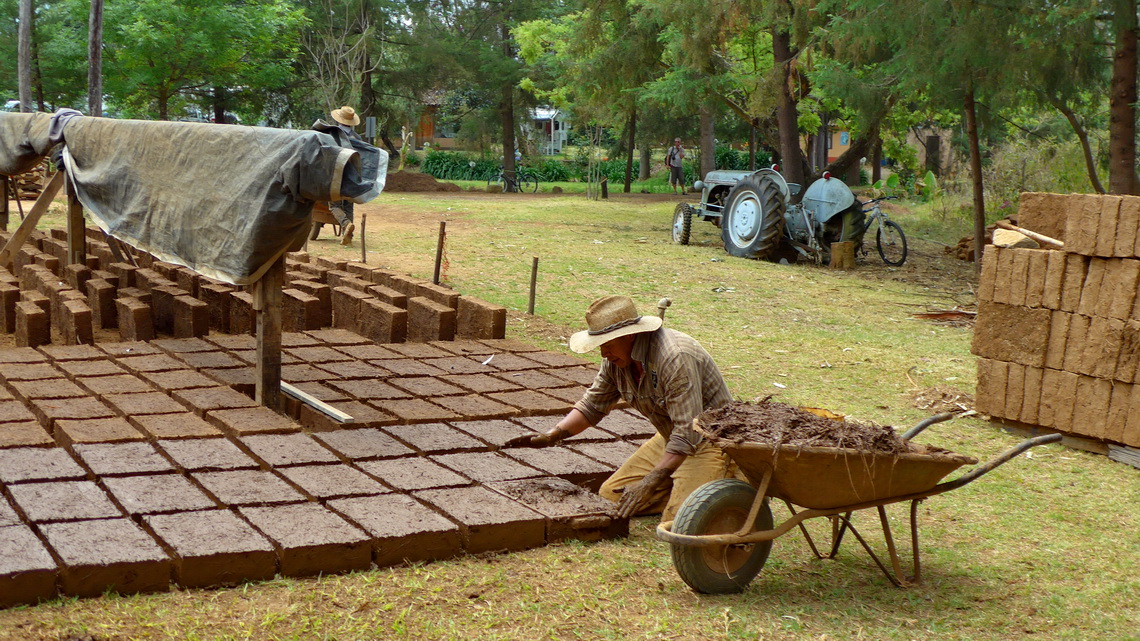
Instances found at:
x=720 y=507
x=315 y=231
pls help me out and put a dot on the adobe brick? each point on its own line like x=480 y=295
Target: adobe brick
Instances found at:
x=301 y=311
x=482 y=320
x=77 y=276
x=429 y=321
x=1076 y=271
x=248 y=487
x=346 y=307
x=405 y=284
x=402 y=529
x=310 y=539
x=253 y=420
x=28 y=572
x=1082 y=218
x=122 y=459
x=191 y=317
x=389 y=295
x=105 y=554
x=382 y=322
x=324 y=482
x=490 y=521
x=207 y=454
x=1124 y=296
x=162 y=306
x=75 y=323
x=214 y=547
x=362 y=444
x=243 y=319
x=33 y=325
x=985 y=282
x=157 y=494
x=136 y=323
x=63 y=501
x=135 y=292
x=188 y=280
x=571 y=512
x=1106 y=227
x=101 y=300
x=443 y=295
x=323 y=293
x=217 y=298
x=9 y=296
x=1126 y=227
x=328 y=263
x=24 y=433
x=1043 y=213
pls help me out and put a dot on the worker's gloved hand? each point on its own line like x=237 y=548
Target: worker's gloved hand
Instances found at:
x=536 y=440
x=636 y=496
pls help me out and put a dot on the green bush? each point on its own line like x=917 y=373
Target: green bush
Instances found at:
x=551 y=170
x=454 y=165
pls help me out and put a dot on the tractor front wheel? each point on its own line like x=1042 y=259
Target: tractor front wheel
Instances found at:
x=682 y=223
x=753 y=219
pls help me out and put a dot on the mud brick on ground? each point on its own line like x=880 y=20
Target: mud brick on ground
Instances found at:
x=382 y=322
x=115 y=459
x=98 y=555
x=413 y=473
x=102 y=385
x=362 y=444
x=408 y=367
x=311 y=539
x=134 y=319
x=435 y=438
x=571 y=512
x=214 y=547
x=1012 y=334
x=243 y=319
x=493 y=432
x=47 y=388
x=485 y=467
x=63 y=501
x=476 y=319
x=26 y=464
x=207 y=455
x=28 y=572
x=531 y=403
x=210 y=360
x=1014 y=390
x=363 y=416
x=324 y=482
x=248 y=487
x=157 y=494
x=414 y=410
x=202 y=400
x=490 y=521
x=251 y=420
x=474 y=406
x=564 y=463
x=288 y=449
x=350 y=370
x=33 y=325
x=179 y=379
x=95 y=430
x=481 y=383
x=24 y=433
x=612 y=454
x=545 y=423
x=534 y=379
x=402 y=529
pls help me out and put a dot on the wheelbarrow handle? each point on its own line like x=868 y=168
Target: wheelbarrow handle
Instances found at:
x=917 y=429
x=989 y=465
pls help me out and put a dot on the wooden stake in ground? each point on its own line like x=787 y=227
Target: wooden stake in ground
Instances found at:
x=843 y=255
x=267 y=303
x=76 y=228
x=439 y=251
x=363 y=250
x=533 y=284
x=4 y=205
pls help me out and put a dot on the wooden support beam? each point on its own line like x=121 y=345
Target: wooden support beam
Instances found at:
x=76 y=228
x=28 y=225
x=6 y=190
x=267 y=302
x=317 y=404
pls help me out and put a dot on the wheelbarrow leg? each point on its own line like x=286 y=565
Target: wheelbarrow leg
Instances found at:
x=838 y=528
x=896 y=578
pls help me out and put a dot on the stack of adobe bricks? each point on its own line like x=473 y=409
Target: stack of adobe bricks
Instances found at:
x=45 y=300
x=1058 y=332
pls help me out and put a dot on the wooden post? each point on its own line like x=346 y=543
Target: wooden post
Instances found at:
x=605 y=187
x=439 y=251
x=363 y=251
x=842 y=255
x=533 y=285
x=4 y=182
x=267 y=303
x=76 y=228
x=28 y=225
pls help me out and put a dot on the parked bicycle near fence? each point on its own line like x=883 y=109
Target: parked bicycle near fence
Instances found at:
x=524 y=181
x=889 y=237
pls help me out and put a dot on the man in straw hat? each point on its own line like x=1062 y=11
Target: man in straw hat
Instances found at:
x=346 y=119
x=667 y=376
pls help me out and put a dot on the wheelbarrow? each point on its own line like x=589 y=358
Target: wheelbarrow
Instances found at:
x=723 y=532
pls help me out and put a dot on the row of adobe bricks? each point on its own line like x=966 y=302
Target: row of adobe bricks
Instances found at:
x=150 y=298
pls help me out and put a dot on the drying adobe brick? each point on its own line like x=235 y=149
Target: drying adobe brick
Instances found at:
x=63 y=501
x=23 y=433
x=415 y=410
x=474 y=406
x=100 y=554
x=324 y=482
x=564 y=463
x=207 y=454
x=214 y=547
x=27 y=570
x=435 y=438
x=1118 y=412
x=458 y=365
x=310 y=539
x=248 y=487
x=486 y=467
x=1012 y=334
x=402 y=529
x=493 y=432
x=532 y=403
x=124 y=383
x=572 y=512
x=1043 y=213
x=157 y=494
x=38 y=464
x=111 y=459
x=490 y=520
x=96 y=430
x=361 y=444
x=481 y=383
x=777 y=424
x=288 y=449
x=612 y=453
x=413 y=473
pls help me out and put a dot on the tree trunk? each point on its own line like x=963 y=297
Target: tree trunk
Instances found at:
x=646 y=153
x=221 y=98
x=393 y=151
x=877 y=161
x=507 y=116
x=976 y=178
x=37 y=75
x=95 y=59
x=708 y=142
x=787 y=114
x=752 y=146
x=163 y=100
x=367 y=94
x=1122 y=101
x=629 y=151
x=1083 y=136
x=24 y=56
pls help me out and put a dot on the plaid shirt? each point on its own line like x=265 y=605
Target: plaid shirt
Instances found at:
x=680 y=381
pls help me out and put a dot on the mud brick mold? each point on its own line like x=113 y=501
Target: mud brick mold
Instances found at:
x=402 y=529
x=27 y=571
x=490 y=520
x=248 y=487
x=157 y=494
x=571 y=511
x=1012 y=334
x=324 y=482
x=33 y=325
x=63 y=501
x=115 y=459
x=214 y=547
x=361 y=444
x=564 y=463
x=435 y=438
x=486 y=467
x=310 y=539
x=207 y=454
x=413 y=473
x=18 y=465
x=136 y=323
x=108 y=555
x=288 y=449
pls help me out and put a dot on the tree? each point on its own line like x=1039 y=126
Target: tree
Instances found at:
x=25 y=56
x=95 y=60
x=1122 y=100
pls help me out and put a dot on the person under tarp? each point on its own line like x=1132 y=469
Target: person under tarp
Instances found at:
x=224 y=200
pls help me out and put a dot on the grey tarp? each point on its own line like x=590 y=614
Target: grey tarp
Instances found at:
x=223 y=200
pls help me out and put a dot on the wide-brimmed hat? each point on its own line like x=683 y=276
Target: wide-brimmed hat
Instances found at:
x=608 y=318
x=346 y=116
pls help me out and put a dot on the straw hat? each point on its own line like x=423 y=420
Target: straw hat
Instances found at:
x=608 y=318
x=346 y=116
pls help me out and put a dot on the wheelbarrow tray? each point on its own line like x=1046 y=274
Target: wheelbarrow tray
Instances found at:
x=829 y=477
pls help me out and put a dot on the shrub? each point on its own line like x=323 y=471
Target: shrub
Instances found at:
x=454 y=165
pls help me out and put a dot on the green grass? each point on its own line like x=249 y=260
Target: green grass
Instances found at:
x=1045 y=547
x=655 y=185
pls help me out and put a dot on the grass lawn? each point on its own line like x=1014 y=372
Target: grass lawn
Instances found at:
x=1045 y=547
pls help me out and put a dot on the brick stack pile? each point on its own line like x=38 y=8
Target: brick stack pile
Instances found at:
x=29 y=184
x=1058 y=332
x=44 y=300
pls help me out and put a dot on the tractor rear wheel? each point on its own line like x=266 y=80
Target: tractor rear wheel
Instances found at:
x=753 y=219
x=682 y=223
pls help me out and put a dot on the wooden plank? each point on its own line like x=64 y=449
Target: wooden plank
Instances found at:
x=20 y=236
x=317 y=404
x=1125 y=454
x=267 y=302
x=5 y=190
x=1025 y=430
x=76 y=228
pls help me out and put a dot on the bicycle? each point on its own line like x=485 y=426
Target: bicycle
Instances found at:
x=523 y=181
x=889 y=237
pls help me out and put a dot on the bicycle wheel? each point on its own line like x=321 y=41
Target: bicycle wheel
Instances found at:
x=497 y=180
x=891 y=243
x=527 y=184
